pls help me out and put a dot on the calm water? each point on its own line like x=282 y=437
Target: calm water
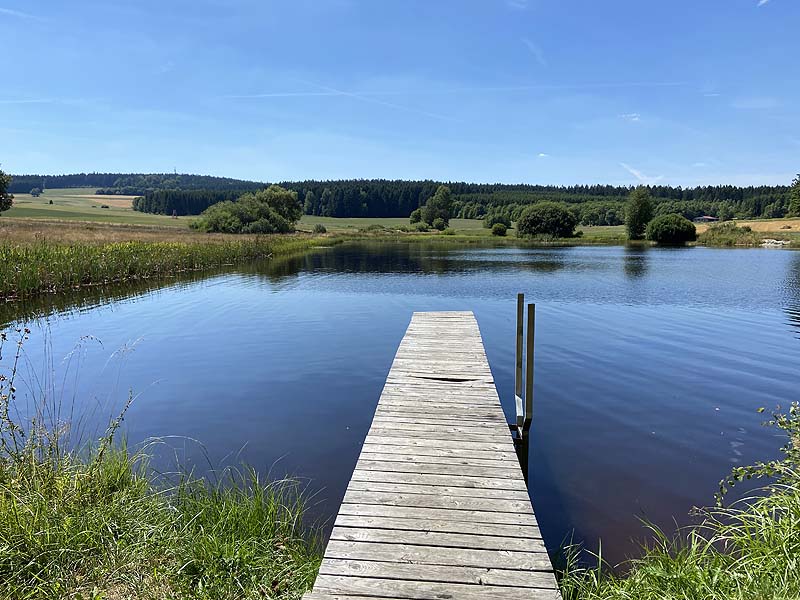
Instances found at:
x=651 y=365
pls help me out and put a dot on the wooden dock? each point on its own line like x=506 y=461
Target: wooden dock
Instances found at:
x=437 y=507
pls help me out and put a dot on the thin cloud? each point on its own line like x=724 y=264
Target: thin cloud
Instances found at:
x=28 y=101
x=462 y=90
x=543 y=155
x=641 y=177
x=536 y=51
x=517 y=4
x=370 y=100
x=762 y=2
x=631 y=116
x=19 y=14
x=700 y=165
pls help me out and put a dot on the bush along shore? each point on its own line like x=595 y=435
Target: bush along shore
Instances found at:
x=32 y=269
x=748 y=550
x=94 y=523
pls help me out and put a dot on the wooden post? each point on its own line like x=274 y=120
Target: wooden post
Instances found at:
x=518 y=371
x=529 y=370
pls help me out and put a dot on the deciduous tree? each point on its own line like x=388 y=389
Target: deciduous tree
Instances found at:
x=638 y=213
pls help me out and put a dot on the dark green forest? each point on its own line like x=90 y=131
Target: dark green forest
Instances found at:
x=593 y=204
x=130 y=184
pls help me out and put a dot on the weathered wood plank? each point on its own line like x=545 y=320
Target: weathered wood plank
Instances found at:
x=420 y=524
x=436 y=506
x=436 y=573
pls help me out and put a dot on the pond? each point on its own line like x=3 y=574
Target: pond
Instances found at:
x=650 y=366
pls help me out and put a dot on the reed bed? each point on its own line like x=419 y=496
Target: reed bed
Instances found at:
x=42 y=267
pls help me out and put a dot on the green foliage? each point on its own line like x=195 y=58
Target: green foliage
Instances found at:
x=638 y=212
x=492 y=219
x=437 y=208
x=6 y=199
x=416 y=216
x=30 y=270
x=449 y=231
x=274 y=210
x=182 y=202
x=749 y=550
x=794 y=197
x=36 y=192
x=499 y=229
x=320 y=228
x=729 y=234
x=93 y=524
x=671 y=230
x=547 y=219
x=422 y=227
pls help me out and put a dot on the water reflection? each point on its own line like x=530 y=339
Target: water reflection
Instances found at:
x=650 y=364
x=635 y=262
x=793 y=292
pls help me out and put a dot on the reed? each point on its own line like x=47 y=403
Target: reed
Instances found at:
x=28 y=270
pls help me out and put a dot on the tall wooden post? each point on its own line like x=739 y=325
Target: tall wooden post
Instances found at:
x=529 y=370
x=518 y=371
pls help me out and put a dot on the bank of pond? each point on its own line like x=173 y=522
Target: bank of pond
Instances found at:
x=90 y=516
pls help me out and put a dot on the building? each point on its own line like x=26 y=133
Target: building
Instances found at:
x=705 y=219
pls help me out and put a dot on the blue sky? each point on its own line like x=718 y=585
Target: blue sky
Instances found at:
x=536 y=91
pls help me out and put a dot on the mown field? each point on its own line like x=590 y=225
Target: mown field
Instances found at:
x=81 y=204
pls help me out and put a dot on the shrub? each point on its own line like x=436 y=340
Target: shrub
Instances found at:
x=104 y=206
x=416 y=216
x=421 y=226
x=638 y=212
x=439 y=223
x=728 y=234
x=499 y=229
x=320 y=228
x=449 y=231
x=274 y=210
x=51 y=201
x=547 y=218
x=437 y=207
x=373 y=227
x=491 y=219
x=671 y=229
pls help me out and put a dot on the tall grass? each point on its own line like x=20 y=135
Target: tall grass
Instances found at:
x=749 y=550
x=729 y=234
x=30 y=269
x=94 y=523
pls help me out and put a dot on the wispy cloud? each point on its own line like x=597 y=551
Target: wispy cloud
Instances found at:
x=536 y=51
x=641 y=177
x=432 y=91
x=28 y=101
x=543 y=155
x=755 y=103
x=699 y=165
x=631 y=116
x=19 y=14
x=517 y=4
x=762 y=2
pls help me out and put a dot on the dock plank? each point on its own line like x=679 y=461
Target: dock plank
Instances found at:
x=437 y=506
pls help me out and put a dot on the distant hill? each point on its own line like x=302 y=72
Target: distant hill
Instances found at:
x=130 y=184
x=168 y=193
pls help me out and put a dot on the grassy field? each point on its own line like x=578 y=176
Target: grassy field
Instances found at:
x=81 y=204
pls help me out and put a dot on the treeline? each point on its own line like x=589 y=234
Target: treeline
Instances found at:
x=130 y=184
x=181 y=202
x=594 y=204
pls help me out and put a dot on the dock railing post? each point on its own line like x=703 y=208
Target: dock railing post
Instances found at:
x=518 y=371
x=529 y=370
